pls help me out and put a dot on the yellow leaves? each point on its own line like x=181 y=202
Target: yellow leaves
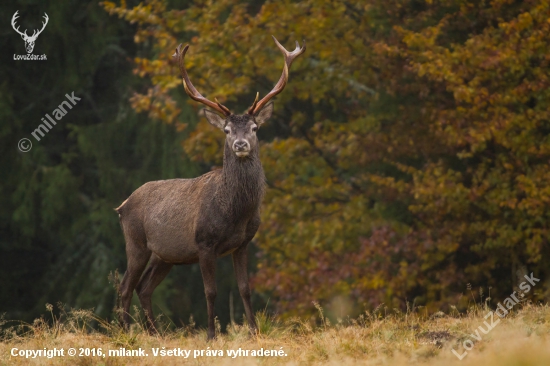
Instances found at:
x=109 y=6
x=390 y=182
x=140 y=102
x=158 y=105
x=205 y=144
x=438 y=192
x=422 y=40
x=141 y=14
x=524 y=21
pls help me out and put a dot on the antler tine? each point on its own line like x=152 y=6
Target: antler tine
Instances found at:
x=251 y=109
x=46 y=18
x=190 y=89
x=13 y=19
x=289 y=57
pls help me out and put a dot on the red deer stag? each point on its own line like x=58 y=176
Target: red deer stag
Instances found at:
x=183 y=221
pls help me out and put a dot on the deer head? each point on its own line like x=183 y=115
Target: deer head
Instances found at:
x=240 y=130
x=29 y=40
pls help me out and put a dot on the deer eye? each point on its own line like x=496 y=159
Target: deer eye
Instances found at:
x=255 y=128
x=226 y=130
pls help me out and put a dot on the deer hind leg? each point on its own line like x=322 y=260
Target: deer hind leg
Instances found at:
x=153 y=276
x=137 y=255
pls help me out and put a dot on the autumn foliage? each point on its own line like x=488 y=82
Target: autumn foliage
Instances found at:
x=409 y=154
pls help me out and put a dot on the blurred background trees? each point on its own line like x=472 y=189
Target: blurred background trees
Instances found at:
x=407 y=157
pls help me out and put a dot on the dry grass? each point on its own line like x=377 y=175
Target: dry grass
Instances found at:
x=372 y=339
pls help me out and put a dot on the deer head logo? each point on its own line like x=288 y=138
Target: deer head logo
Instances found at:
x=29 y=40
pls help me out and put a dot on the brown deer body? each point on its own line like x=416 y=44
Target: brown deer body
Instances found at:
x=184 y=221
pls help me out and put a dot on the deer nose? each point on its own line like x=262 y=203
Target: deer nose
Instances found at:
x=240 y=145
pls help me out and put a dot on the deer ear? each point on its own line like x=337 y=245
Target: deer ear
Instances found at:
x=264 y=114
x=214 y=119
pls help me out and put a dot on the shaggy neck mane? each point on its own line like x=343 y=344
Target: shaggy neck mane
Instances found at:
x=243 y=182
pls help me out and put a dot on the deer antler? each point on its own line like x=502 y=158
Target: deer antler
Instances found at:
x=289 y=57
x=190 y=89
x=15 y=16
x=43 y=26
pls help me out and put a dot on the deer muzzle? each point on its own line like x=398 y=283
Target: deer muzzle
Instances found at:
x=241 y=148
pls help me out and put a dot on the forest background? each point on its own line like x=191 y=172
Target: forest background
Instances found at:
x=408 y=157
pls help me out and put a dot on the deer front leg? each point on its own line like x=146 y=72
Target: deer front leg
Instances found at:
x=207 y=263
x=240 y=261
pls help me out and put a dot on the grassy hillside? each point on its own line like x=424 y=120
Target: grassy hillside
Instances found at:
x=372 y=339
